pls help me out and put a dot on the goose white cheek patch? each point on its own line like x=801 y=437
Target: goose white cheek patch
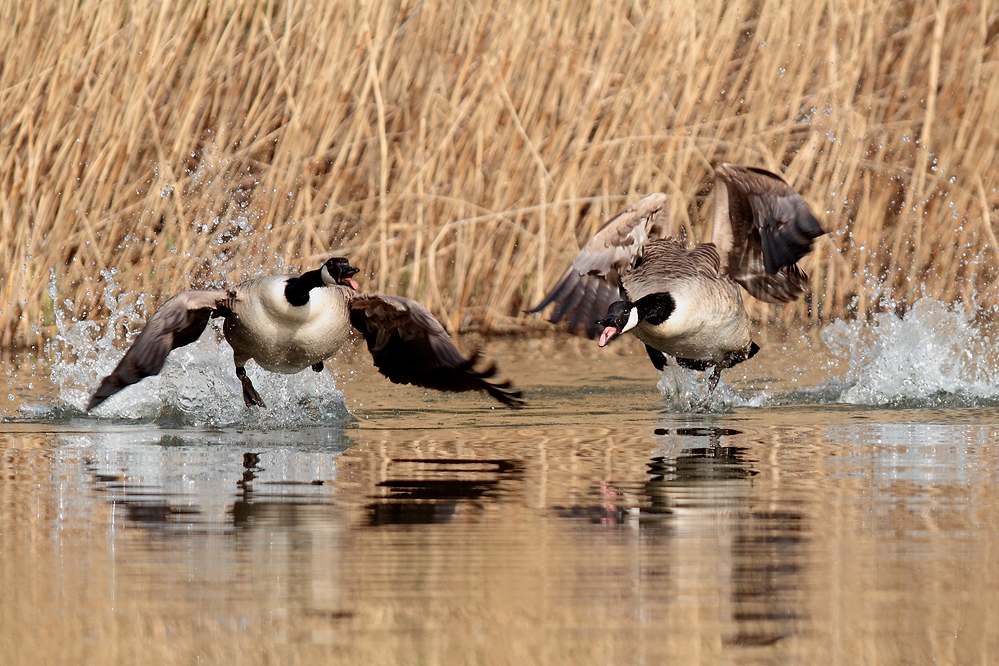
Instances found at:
x=632 y=321
x=325 y=274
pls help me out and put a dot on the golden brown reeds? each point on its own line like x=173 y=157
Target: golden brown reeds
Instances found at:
x=460 y=152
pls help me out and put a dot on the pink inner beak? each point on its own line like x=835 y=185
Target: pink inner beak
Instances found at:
x=353 y=284
x=605 y=337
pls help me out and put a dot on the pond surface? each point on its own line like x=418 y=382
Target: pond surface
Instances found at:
x=826 y=507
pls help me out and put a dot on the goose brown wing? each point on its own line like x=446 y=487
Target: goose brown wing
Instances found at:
x=762 y=227
x=180 y=321
x=593 y=281
x=409 y=346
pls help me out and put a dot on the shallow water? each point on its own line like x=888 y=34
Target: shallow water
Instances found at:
x=836 y=502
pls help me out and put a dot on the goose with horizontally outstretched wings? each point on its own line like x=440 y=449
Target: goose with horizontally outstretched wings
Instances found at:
x=287 y=323
x=686 y=302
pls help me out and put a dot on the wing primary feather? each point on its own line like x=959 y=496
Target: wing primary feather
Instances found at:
x=570 y=307
x=771 y=251
x=581 y=309
x=567 y=303
x=767 y=228
x=179 y=322
x=604 y=298
x=409 y=346
x=591 y=304
x=787 y=228
x=563 y=287
x=612 y=252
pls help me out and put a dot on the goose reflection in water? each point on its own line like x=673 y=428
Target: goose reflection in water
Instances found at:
x=419 y=491
x=293 y=506
x=700 y=495
x=139 y=504
x=702 y=485
x=191 y=483
x=696 y=470
x=692 y=466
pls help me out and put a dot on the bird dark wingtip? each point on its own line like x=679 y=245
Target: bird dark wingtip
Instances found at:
x=486 y=373
x=556 y=294
x=537 y=308
x=548 y=299
x=108 y=387
x=95 y=400
x=500 y=390
x=512 y=398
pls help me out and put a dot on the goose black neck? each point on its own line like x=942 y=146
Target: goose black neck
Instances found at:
x=655 y=308
x=297 y=290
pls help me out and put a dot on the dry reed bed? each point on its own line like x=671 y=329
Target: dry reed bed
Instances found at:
x=460 y=152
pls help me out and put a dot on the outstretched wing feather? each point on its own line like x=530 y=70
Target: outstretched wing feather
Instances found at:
x=179 y=322
x=787 y=285
x=593 y=281
x=767 y=228
x=409 y=346
x=586 y=304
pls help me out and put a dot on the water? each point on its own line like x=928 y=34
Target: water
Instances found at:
x=835 y=502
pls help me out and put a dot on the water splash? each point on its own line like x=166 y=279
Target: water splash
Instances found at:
x=197 y=386
x=933 y=356
x=686 y=391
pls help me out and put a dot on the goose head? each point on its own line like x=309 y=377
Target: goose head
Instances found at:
x=338 y=270
x=622 y=316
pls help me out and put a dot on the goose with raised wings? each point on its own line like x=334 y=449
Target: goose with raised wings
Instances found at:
x=686 y=303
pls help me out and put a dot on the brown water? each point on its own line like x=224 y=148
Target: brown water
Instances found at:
x=596 y=526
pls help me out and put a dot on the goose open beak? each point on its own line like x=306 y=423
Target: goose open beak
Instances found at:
x=349 y=277
x=610 y=332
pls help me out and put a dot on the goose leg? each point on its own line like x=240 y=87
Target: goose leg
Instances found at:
x=713 y=379
x=657 y=357
x=250 y=395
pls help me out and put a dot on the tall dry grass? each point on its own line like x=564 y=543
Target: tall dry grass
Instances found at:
x=460 y=152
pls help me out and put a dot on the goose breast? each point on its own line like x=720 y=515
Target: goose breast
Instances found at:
x=281 y=337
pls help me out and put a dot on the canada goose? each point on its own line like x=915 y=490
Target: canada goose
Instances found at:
x=686 y=303
x=287 y=323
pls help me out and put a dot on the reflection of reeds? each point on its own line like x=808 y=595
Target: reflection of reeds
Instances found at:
x=460 y=153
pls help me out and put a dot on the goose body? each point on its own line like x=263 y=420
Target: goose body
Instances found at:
x=286 y=323
x=682 y=302
x=707 y=321
x=282 y=337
